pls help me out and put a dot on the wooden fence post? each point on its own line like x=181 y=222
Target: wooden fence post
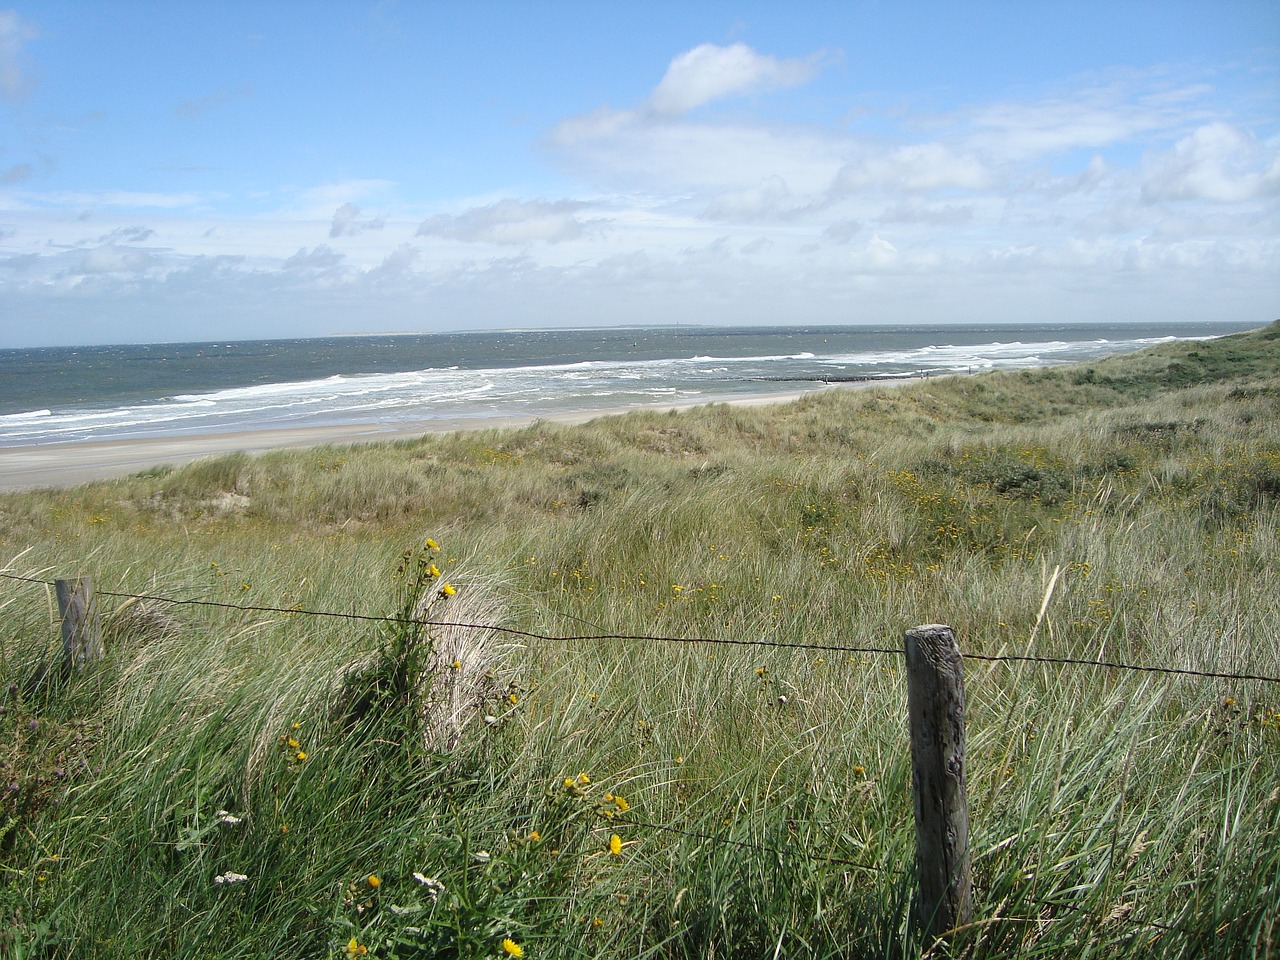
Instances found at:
x=81 y=632
x=935 y=704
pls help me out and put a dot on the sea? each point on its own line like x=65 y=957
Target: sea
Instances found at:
x=76 y=394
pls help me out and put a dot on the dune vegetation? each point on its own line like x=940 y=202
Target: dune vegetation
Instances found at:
x=632 y=688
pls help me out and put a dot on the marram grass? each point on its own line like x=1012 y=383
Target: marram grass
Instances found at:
x=233 y=783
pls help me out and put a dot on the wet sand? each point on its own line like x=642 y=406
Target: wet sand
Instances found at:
x=70 y=464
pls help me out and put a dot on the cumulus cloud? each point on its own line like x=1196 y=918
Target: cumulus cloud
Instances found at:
x=318 y=258
x=109 y=259
x=769 y=200
x=709 y=72
x=347 y=222
x=511 y=222
x=1216 y=162
x=14 y=35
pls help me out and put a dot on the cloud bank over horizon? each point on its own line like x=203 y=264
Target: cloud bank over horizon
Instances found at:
x=734 y=184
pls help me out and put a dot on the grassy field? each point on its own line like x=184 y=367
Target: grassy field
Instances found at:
x=589 y=781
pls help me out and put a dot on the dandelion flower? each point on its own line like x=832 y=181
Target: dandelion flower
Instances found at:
x=623 y=806
x=513 y=698
x=433 y=571
x=292 y=743
x=583 y=779
x=511 y=948
x=448 y=590
x=374 y=881
x=432 y=545
x=300 y=755
x=615 y=845
x=535 y=836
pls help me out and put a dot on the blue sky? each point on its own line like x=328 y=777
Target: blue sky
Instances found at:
x=196 y=171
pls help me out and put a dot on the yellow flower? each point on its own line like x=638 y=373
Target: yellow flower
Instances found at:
x=568 y=783
x=432 y=545
x=355 y=949
x=761 y=671
x=859 y=771
x=535 y=836
x=433 y=571
x=513 y=698
x=375 y=881
x=293 y=744
x=512 y=948
x=300 y=755
x=615 y=845
x=583 y=779
x=623 y=806
x=448 y=590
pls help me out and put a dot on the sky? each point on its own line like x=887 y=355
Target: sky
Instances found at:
x=178 y=171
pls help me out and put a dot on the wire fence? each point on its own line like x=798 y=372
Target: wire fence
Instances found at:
x=656 y=638
x=757 y=848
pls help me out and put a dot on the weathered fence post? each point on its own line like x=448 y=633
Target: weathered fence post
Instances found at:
x=935 y=704
x=81 y=632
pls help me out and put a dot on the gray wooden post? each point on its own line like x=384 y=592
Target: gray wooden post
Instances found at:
x=935 y=704
x=81 y=632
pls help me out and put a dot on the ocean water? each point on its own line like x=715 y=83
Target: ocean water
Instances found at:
x=69 y=394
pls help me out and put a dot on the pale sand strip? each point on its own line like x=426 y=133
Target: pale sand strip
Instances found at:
x=69 y=464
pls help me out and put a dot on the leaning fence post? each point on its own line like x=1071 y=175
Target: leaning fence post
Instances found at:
x=81 y=633
x=935 y=704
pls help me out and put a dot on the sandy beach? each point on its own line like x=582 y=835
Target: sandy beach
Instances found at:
x=71 y=464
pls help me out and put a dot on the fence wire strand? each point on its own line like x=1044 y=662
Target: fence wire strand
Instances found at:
x=721 y=641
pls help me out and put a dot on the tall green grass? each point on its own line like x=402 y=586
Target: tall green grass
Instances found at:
x=1123 y=512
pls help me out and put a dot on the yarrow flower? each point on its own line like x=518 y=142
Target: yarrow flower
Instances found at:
x=229 y=877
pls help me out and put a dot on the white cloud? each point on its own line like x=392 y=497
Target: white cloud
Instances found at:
x=1216 y=162
x=348 y=223
x=914 y=168
x=770 y=200
x=709 y=72
x=912 y=210
x=512 y=222
x=318 y=258
x=110 y=258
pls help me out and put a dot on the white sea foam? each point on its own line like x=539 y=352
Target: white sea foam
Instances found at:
x=452 y=392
